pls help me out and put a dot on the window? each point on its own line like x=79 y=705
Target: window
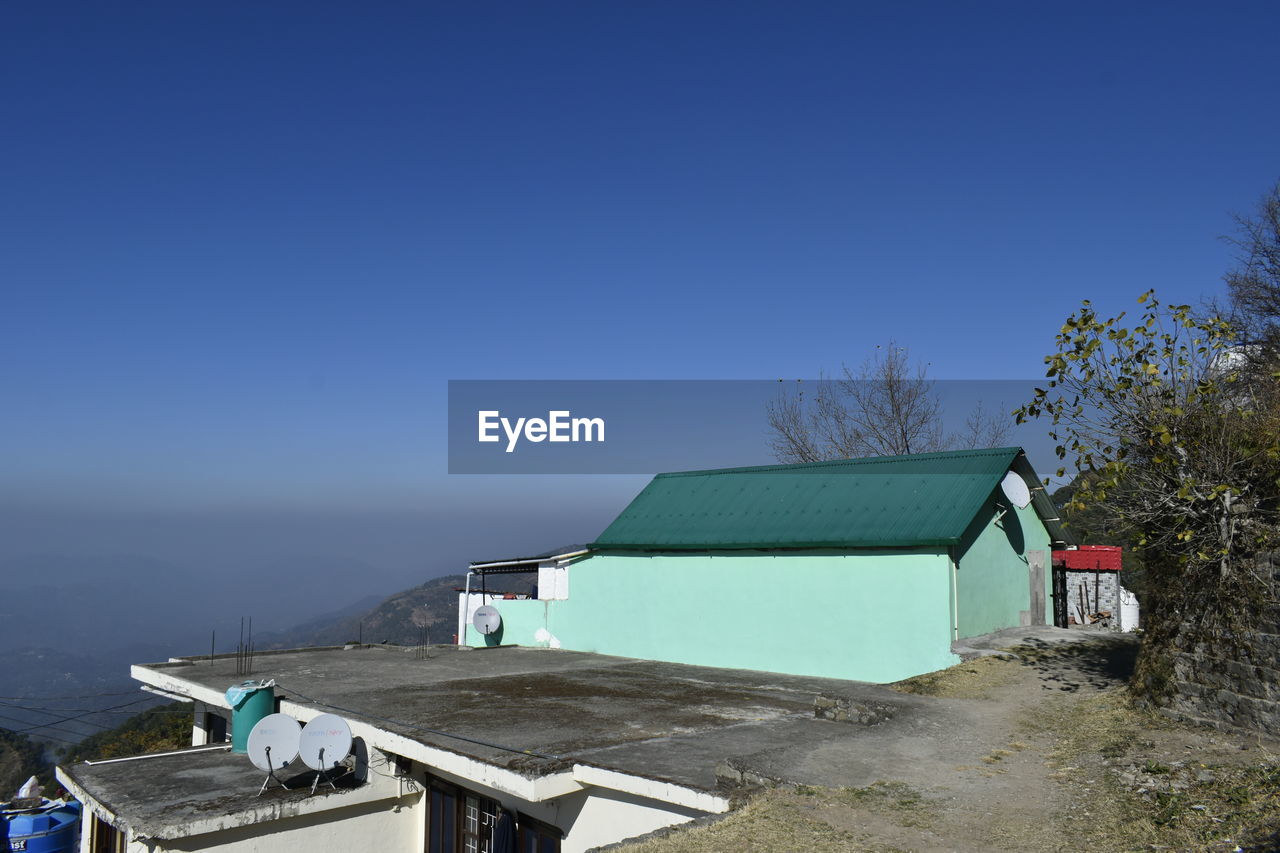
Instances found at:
x=479 y=814
x=538 y=837
x=105 y=838
x=442 y=819
x=462 y=821
x=459 y=821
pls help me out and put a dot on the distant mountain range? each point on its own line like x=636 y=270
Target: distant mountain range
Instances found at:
x=71 y=627
x=398 y=619
x=76 y=694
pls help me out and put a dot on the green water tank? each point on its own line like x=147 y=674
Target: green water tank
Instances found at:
x=249 y=703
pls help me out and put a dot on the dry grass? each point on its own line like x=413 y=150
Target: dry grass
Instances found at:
x=1133 y=801
x=901 y=803
x=980 y=678
x=776 y=820
x=1106 y=724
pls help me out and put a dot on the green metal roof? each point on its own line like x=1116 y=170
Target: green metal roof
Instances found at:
x=885 y=501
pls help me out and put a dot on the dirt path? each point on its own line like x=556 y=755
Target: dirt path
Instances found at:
x=989 y=784
x=1000 y=754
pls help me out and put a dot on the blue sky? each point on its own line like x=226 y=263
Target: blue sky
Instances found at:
x=246 y=245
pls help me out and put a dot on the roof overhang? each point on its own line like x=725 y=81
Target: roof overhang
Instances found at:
x=529 y=564
x=531 y=788
x=1042 y=503
x=152 y=814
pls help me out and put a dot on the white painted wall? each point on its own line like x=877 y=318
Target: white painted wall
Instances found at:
x=199 y=736
x=378 y=826
x=599 y=816
x=467 y=607
x=553 y=581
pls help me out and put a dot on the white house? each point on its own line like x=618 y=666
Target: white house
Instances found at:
x=577 y=749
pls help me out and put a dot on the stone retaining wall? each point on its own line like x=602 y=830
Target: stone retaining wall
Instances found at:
x=1240 y=693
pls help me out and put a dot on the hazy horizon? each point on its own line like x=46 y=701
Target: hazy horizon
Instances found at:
x=246 y=248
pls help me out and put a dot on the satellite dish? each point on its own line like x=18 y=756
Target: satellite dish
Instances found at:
x=273 y=745
x=487 y=619
x=1015 y=489
x=326 y=740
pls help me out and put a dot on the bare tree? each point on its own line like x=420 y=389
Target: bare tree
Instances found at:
x=983 y=428
x=794 y=438
x=1253 y=286
x=888 y=407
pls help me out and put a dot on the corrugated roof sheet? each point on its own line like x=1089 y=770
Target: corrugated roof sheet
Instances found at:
x=563 y=551
x=886 y=501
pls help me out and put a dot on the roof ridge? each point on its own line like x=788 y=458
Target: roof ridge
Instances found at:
x=846 y=463
x=919 y=500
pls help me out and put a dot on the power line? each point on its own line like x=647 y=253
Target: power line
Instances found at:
x=82 y=714
x=39 y=730
x=47 y=737
x=44 y=710
x=100 y=726
x=33 y=725
x=59 y=698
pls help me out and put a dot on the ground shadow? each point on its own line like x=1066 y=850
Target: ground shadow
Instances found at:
x=1099 y=663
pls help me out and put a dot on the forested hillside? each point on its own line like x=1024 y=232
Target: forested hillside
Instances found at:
x=21 y=758
x=154 y=730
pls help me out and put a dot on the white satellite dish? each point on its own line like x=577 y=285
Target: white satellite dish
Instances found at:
x=1015 y=489
x=273 y=746
x=326 y=740
x=487 y=619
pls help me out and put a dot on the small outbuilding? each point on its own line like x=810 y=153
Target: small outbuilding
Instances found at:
x=1087 y=587
x=865 y=569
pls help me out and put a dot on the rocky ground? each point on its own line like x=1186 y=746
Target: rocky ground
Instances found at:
x=1051 y=757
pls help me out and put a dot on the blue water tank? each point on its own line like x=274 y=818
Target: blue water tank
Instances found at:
x=51 y=827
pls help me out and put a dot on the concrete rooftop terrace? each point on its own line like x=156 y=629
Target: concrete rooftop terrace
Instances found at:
x=176 y=795
x=555 y=710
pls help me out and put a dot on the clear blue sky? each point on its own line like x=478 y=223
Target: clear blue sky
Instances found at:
x=245 y=245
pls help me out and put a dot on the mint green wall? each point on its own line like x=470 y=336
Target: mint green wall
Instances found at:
x=993 y=584
x=521 y=620
x=866 y=615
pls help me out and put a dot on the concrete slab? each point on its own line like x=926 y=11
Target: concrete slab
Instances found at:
x=193 y=792
x=540 y=716
x=551 y=709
